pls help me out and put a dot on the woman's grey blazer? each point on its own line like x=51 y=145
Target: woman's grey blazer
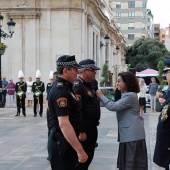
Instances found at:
x=130 y=123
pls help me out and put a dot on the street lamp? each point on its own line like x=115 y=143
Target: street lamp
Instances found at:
x=11 y=26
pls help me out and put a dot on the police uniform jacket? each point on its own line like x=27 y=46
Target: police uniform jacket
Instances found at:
x=21 y=87
x=63 y=102
x=38 y=87
x=90 y=105
x=48 y=88
x=162 y=147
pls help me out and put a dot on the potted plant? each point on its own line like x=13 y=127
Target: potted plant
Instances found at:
x=2 y=48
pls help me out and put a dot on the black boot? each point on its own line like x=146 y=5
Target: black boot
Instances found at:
x=18 y=114
x=35 y=114
x=24 y=114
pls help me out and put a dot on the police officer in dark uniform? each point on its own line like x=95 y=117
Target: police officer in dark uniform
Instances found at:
x=64 y=148
x=162 y=147
x=38 y=88
x=20 y=89
x=52 y=76
x=90 y=108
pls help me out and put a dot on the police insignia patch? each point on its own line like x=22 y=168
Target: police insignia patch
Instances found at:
x=62 y=102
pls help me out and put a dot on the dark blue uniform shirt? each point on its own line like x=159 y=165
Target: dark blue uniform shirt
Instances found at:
x=63 y=102
x=90 y=105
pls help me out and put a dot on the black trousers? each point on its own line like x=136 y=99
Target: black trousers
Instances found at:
x=21 y=104
x=89 y=145
x=48 y=121
x=38 y=100
x=4 y=93
x=58 y=162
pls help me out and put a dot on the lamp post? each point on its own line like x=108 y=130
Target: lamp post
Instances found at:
x=107 y=38
x=11 y=26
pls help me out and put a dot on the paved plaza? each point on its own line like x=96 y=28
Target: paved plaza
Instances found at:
x=23 y=141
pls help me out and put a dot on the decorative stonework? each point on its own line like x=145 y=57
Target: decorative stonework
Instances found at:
x=19 y=15
x=22 y=3
x=102 y=33
x=90 y=20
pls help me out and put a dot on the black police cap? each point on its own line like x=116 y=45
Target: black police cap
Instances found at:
x=88 y=63
x=67 y=60
x=167 y=65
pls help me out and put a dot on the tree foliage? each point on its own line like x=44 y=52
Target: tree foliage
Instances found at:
x=146 y=53
x=105 y=75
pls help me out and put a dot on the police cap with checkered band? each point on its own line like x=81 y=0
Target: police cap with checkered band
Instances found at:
x=67 y=60
x=88 y=63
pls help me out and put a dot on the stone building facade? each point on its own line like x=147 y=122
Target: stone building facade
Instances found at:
x=46 y=29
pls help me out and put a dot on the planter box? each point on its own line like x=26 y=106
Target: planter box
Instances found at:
x=2 y=52
x=158 y=106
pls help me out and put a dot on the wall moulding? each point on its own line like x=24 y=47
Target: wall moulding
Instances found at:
x=19 y=15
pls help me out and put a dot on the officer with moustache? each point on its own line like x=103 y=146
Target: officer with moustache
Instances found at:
x=20 y=89
x=38 y=88
x=64 y=148
x=90 y=108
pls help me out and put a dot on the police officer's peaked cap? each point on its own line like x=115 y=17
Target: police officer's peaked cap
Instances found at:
x=167 y=65
x=67 y=60
x=55 y=74
x=88 y=63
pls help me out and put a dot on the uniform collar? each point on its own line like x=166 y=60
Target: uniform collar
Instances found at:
x=84 y=82
x=65 y=82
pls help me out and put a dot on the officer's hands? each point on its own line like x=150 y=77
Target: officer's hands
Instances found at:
x=82 y=156
x=161 y=100
x=159 y=94
x=99 y=93
x=82 y=136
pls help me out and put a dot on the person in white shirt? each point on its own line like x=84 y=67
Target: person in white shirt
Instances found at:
x=142 y=95
x=29 y=93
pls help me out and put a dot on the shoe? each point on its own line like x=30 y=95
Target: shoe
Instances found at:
x=24 y=115
x=35 y=115
x=18 y=114
x=40 y=115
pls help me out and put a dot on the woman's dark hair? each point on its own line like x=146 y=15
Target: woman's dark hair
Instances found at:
x=131 y=81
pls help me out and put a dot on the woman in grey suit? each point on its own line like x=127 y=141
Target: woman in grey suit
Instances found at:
x=131 y=135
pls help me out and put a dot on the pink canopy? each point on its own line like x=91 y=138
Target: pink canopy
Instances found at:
x=147 y=72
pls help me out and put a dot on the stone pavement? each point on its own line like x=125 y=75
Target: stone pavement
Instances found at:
x=23 y=141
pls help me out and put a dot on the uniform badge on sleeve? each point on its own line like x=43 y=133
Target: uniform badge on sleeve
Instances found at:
x=62 y=102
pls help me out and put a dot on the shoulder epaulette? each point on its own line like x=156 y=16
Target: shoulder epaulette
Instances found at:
x=76 y=83
x=60 y=84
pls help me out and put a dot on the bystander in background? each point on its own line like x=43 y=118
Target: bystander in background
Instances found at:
x=10 y=93
x=4 y=89
x=29 y=93
x=153 y=87
x=142 y=95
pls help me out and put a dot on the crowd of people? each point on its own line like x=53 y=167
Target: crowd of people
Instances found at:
x=73 y=114
x=30 y=91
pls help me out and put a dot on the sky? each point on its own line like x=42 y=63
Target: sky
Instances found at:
x=161 y=11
